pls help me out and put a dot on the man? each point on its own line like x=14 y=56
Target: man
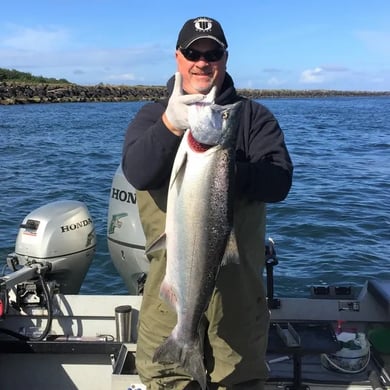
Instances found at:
x=237 y=318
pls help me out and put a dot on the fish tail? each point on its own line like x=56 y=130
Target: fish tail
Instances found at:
x=188 y=356
x=231 y=255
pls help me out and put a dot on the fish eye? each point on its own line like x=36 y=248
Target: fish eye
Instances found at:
x=225 y=115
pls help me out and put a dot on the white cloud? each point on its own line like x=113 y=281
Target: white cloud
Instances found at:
x=35 y=39
x=334 y=68
x=55 y=52
x=275 y=82
x=313 y=76
x=322 y=74
x=51 y=53
x=122 y=77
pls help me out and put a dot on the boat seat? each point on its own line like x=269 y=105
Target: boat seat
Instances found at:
x=380 y=289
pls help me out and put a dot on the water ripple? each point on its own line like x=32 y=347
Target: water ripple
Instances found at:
x=334 y=225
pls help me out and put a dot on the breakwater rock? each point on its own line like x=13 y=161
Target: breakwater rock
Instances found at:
x=23 y=93
x=15 y=93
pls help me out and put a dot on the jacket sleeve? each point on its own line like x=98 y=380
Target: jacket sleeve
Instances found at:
x=149 y=149
x=264 y=166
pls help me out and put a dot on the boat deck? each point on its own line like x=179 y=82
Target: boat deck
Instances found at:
x=81 y=351
x=71 y=371
x=314 y=375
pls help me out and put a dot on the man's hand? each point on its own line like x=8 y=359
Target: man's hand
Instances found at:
x=176 y=114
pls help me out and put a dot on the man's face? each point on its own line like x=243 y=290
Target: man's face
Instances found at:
x=200 y=74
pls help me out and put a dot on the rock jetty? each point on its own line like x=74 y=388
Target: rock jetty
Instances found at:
x=25 y=93
x=15 y=93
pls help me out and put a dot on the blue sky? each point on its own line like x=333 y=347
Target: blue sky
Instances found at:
x=273 y=44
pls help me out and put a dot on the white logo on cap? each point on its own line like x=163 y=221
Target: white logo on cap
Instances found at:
x=203 y=25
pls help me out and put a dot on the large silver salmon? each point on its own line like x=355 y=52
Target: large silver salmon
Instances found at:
x=198 y=228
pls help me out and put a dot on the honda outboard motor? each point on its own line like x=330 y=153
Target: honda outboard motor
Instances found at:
x=125 y=236
x=62 y=235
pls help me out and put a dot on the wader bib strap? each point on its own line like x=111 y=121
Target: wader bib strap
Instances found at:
x=152 y=206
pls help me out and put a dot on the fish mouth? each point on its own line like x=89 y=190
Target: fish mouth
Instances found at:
x=197 y=146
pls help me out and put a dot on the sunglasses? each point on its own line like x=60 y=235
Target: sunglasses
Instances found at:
x=209 y=56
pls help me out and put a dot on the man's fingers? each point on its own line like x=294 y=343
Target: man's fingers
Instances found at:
x=191 y=98
x=177 y=88
x=210 y=97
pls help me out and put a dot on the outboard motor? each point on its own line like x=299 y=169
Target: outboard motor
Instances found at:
x=60 y=235
x=125 y=236
x=53 y=251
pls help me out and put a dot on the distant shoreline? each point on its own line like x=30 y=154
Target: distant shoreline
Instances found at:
x=30 y=93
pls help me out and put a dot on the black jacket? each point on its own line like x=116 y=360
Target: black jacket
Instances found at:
x=264 y=167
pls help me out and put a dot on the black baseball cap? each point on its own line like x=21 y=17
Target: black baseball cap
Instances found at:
x=201 y=27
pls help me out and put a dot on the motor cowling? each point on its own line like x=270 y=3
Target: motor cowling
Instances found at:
x=63 y=234
x=125 y=236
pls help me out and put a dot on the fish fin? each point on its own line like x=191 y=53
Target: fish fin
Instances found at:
x=231 y=255
x=168 y=294
x=188 y=356
x=180 y=164
x=159 y=243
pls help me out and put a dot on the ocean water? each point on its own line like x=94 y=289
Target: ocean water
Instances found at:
x=334 y=227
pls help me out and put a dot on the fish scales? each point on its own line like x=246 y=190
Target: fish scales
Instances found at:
x=198 y=227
